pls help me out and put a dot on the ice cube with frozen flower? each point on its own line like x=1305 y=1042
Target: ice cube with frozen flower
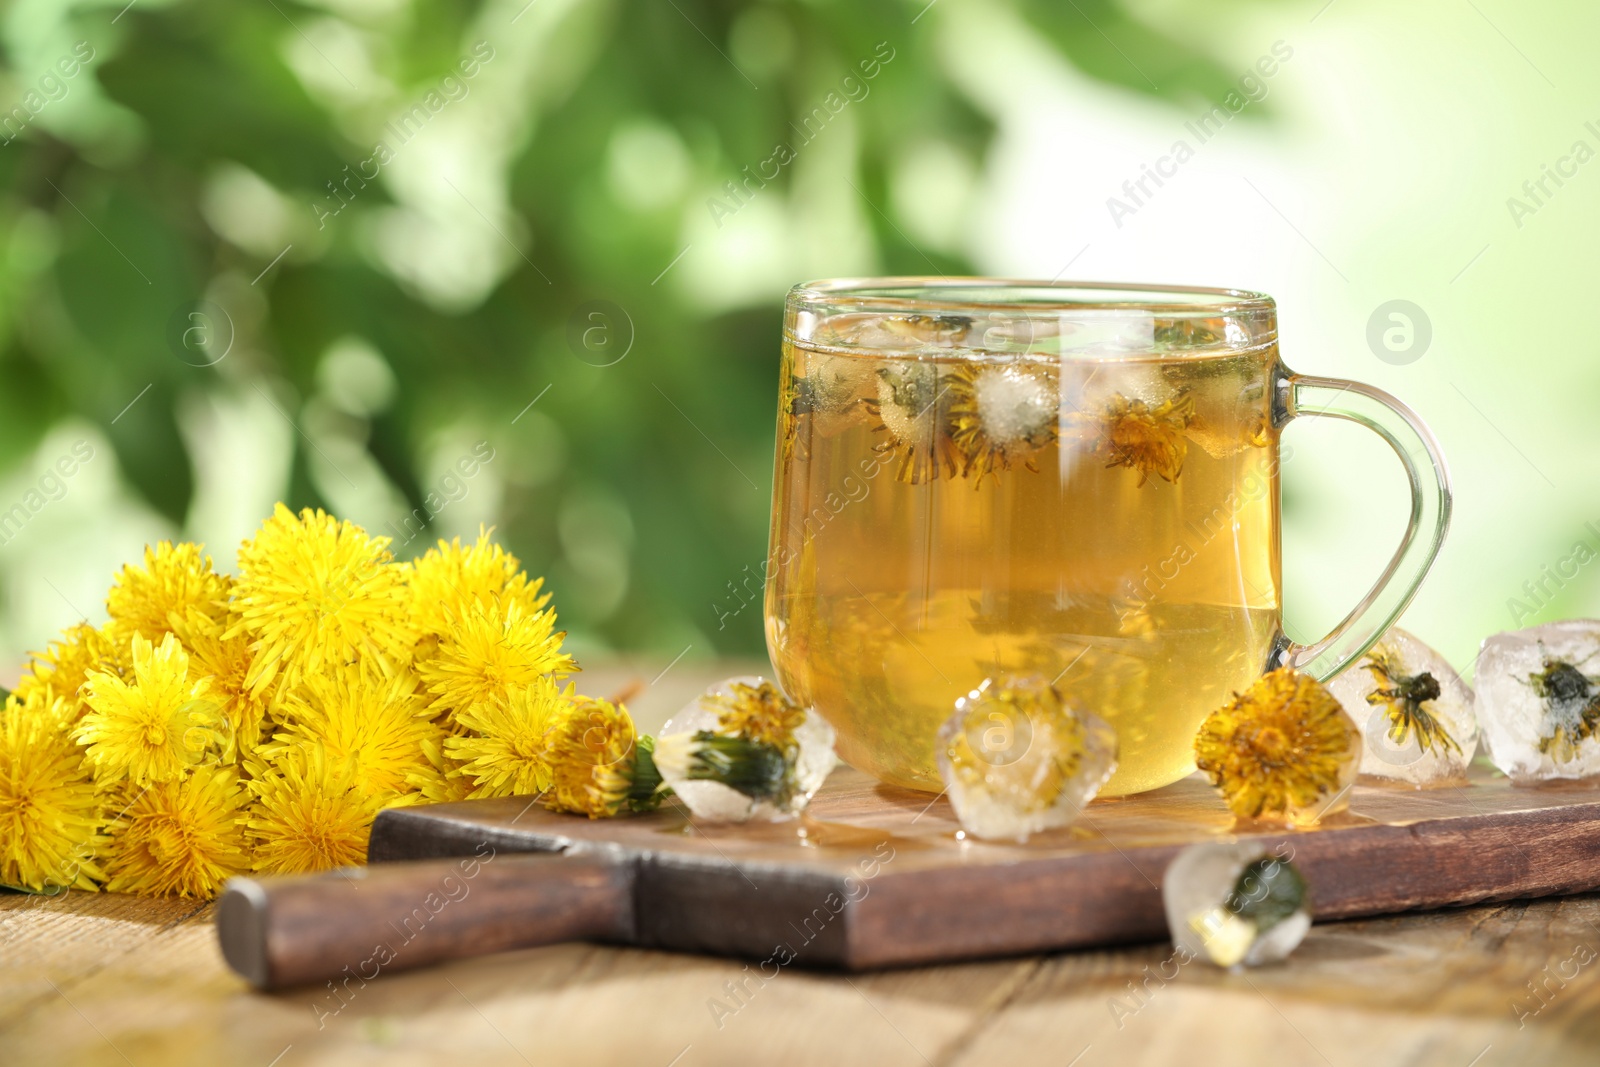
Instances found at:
x=1414 y=712
x=1235 y=903
x=742 y=750
x=1538 y=705
x=1017 y=759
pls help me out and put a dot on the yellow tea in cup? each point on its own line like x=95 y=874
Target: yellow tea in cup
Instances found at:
x=978 y=478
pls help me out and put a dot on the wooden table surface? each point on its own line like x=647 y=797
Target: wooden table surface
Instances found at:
x=109 y=979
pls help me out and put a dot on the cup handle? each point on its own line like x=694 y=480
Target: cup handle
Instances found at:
x=1414 y=443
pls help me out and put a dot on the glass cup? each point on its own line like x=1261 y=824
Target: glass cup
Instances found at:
x=978 y=477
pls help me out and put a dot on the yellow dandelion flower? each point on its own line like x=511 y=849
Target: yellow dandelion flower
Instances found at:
x=314 y=592
x=1571 y=707
x=180 y=837
x=910 y=411
x=447 y=579
x=1284 y=749
x=819 y=397
x=50 y=813
x=757 y=713
x=1402 y=697
x=310 y=813
x=508 y=753
x=1000 y=414
x=65 y=665
x=591 y=757
x=441 y=781
x=144 y=732
x=175 y=580
x=796 y=404
x=492 y=648
x=1026 y=758
x=368 y=717
x=1133 y=434
x=226 y=662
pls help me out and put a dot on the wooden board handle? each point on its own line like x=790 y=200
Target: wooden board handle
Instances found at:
x=363 y=921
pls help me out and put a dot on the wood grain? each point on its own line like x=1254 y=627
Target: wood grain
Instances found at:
x=350 y=926
x=53 y=941
x=103 y=980
x=876 y=876
x=116 y=981
x=1439 y=989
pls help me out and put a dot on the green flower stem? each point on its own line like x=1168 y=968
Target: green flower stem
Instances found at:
x=648 y=790
x=753 y=768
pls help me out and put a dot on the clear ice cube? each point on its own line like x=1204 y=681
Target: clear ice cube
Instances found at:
x=1016 y=403
x=1107 y=331
x=1015 y=333
x=1229 y=407
x=1235 y=904
x=1091 y=390
x=1017 y=759
x=909 y=399
x=1414 y=712
x=807 y=762
x=1538 y=701
x=831 y=389
x=897 y=332
x=932 y=331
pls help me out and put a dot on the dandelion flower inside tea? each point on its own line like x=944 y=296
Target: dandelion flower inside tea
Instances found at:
x=909 y=412
x=1000 y=414
x=1151 y=439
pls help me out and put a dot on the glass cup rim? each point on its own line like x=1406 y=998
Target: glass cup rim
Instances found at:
x=812 y=303
x=1198 y=300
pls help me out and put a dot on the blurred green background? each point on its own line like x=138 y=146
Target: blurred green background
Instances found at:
x=320 y=251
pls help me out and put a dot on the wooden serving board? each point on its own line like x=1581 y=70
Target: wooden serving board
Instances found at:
x=875 y=876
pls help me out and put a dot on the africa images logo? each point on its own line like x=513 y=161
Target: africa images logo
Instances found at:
x=1250 y=89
